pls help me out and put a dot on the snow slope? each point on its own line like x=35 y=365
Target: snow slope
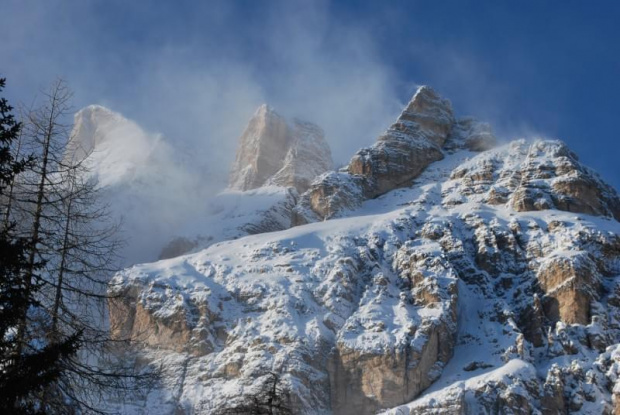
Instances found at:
x=438 y=289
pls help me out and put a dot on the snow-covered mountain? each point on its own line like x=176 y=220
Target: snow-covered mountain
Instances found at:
x=435 y=274
x=116 y=149
x=146 y=182
x=164 y=196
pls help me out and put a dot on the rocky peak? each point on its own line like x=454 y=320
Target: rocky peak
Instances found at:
x=427 y=114
x=420 y=135
x=275 y=151
x=116 y=148
x=408 y=146
x=87 y=131
x=262 y=147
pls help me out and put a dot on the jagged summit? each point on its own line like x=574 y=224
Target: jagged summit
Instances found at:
x=426 y=113
x=273 y=151
x=414 y=141
x=86 y=132
x=115 y=147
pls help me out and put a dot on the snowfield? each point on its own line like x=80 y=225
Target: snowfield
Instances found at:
x=419 y=291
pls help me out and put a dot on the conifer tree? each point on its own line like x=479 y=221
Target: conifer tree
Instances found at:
x=71 y=253
x=29 y=363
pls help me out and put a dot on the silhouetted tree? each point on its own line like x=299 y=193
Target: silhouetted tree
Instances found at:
x=71 y=253
x=271 y=399
x=29 y=362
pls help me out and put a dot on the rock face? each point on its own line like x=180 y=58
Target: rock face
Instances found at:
x=401 y=154
x=570 y=284
x=149 y=185
x=486 y=287
x=116 y=147
x=273 y=151
x=552 y=177
x=321 y=318
x=535 y=176
x=412 y=143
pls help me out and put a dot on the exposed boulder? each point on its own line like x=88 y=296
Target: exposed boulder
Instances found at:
x=274 y=151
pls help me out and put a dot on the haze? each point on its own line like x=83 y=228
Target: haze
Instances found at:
x=195 y=72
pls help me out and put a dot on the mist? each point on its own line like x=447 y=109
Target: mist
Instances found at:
x=194 y=79
x=199 y=90
x=194 y=74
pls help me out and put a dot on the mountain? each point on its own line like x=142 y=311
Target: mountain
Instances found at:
x=116 y=148
x=159 y=193
x=436 y=273
x=274 y=151
x=149 y=185
x=412 y=143
x=276 y=161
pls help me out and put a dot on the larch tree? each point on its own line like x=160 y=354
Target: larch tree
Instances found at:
x=29 y=364
x=72 y=251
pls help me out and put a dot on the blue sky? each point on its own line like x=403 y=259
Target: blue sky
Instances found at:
x=195 y=71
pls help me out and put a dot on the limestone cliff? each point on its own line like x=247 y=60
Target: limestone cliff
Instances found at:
x=452 y=277
x=274 y=151
x=423 y=132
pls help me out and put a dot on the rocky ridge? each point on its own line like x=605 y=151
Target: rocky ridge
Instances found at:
x=487 y=282
x=422 y=132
